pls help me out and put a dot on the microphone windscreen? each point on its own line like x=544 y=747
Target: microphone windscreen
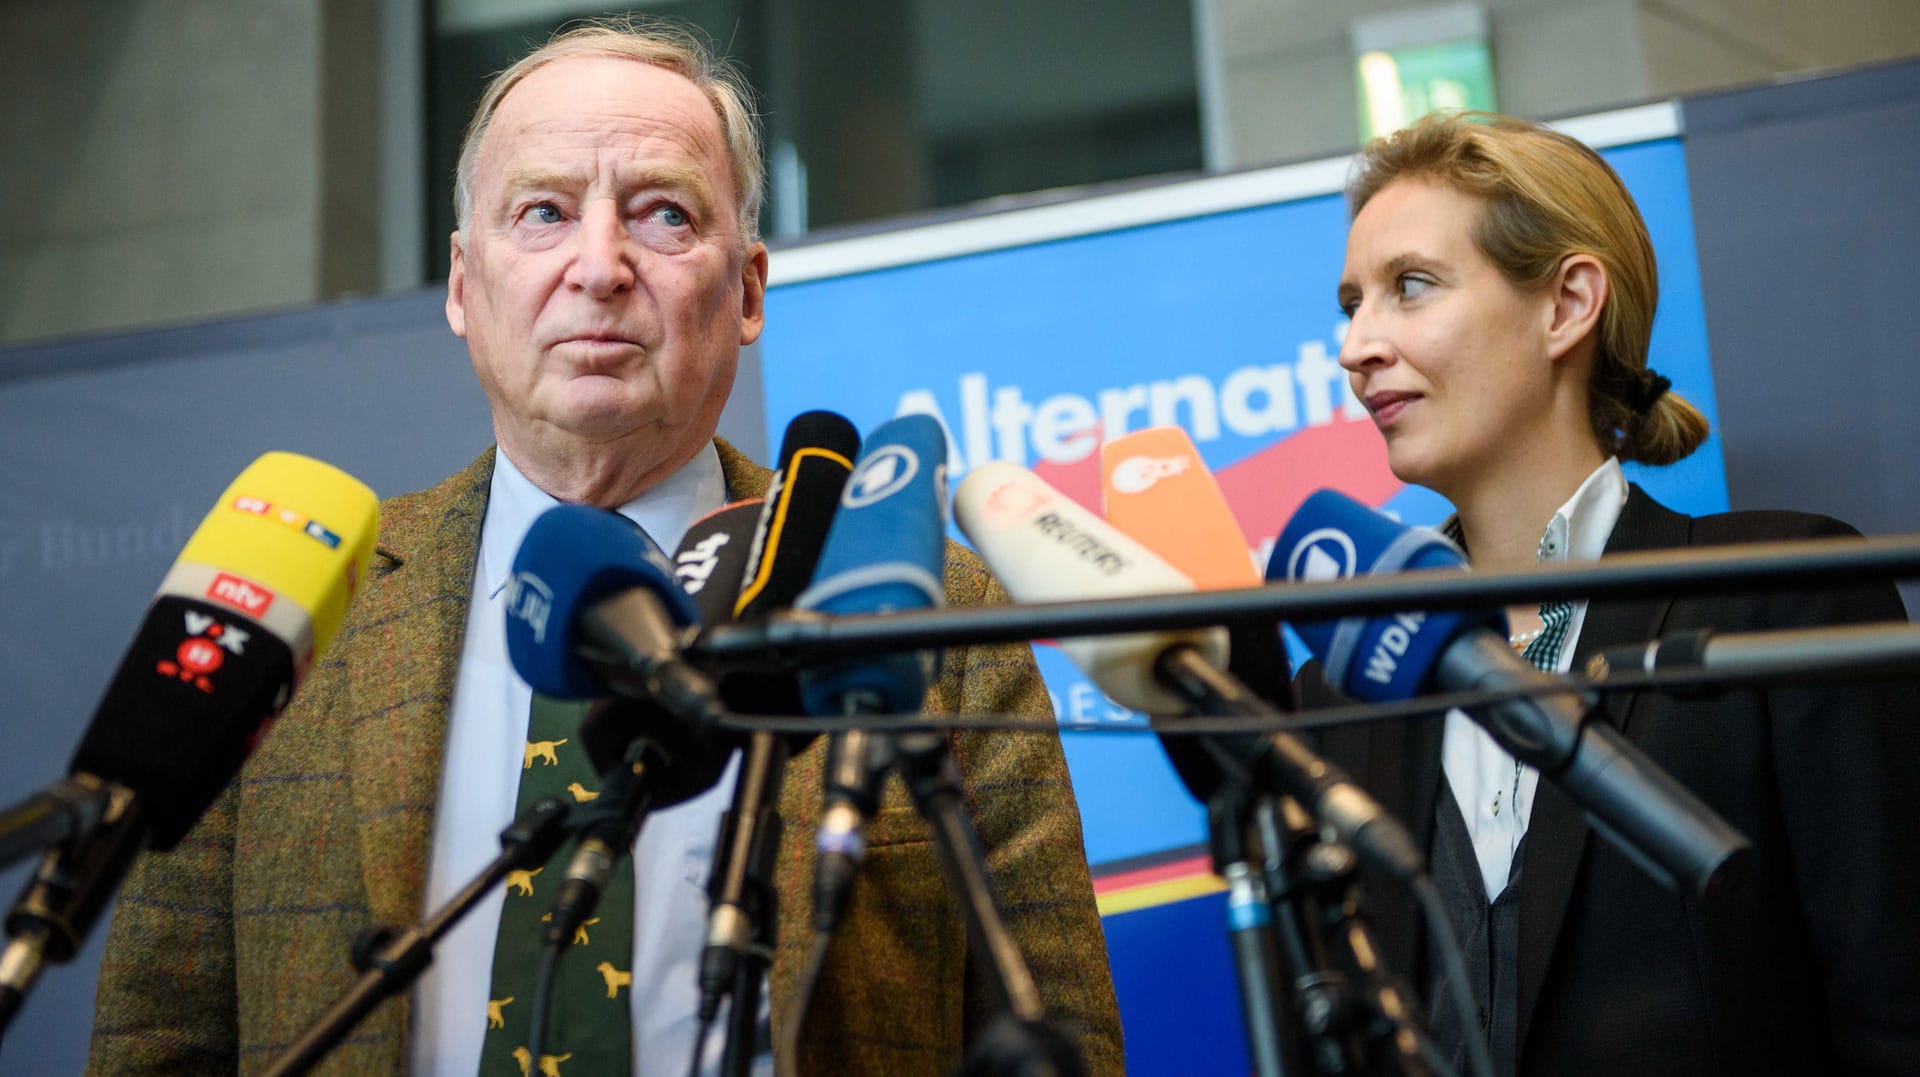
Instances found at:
x=1377 y=659
x=681 y=762
x=258 y=591
x=574 y=556
x=885 y=551
x=1046 y=548
x=712 y=558
x=815 y=458
x=1158 y=490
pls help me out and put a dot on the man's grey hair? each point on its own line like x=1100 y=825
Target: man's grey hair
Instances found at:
x=654 y=42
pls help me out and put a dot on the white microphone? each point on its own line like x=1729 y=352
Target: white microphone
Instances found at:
x=1045 y=547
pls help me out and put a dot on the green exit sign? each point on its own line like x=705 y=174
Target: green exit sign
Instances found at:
x=1407 y=64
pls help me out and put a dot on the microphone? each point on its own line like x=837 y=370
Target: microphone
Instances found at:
x=816 y=455
x=1052 y=549
x=712 y=558
x=886 y=551
x=647 y=761
x=258 y=591
x=1158 y=490
x=1647 y=815
x=593 y=609
x=1045 y=548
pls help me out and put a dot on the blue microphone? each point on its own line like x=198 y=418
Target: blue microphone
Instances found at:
x=1333 y=537
x=886 y=550
x=593 y=609
x=1657 y=822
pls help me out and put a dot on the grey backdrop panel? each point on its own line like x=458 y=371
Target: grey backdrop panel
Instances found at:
x=1804 y=204
x=111 y=452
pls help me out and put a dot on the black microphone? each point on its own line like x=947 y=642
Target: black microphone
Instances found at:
x=258 y=591
x=1639 y=808
x=647 y=760
x=816 y=455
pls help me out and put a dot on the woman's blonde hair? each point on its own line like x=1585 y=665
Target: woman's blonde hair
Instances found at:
x=648 y=41
x=1546 y=196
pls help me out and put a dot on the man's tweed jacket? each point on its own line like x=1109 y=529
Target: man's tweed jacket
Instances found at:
x=224 y=950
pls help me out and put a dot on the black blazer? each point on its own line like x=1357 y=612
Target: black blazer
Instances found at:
x=1811 y=967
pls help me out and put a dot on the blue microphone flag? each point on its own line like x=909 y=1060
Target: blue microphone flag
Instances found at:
x=574 y=556
x=886 y=550
x=1377 y=659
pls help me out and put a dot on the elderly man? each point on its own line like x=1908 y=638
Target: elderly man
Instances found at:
x=605 y=274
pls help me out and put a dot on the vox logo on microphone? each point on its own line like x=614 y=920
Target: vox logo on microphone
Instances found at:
x=529 y=599
x=1325 y=554
x=205 y=649
x=885 y=472
x=244 y=595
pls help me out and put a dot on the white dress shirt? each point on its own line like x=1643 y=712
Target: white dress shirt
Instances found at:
x=1494 y=792
x=480 y=782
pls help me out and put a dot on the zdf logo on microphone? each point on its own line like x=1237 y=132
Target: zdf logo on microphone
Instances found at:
x=1137 y=474
x=885 y=472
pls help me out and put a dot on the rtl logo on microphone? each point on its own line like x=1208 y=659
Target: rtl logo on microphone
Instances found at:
x=244 y=595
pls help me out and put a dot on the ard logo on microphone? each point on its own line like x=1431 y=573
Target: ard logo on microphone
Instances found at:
x=1325 y=554
x=885 y=472
x=529 y=599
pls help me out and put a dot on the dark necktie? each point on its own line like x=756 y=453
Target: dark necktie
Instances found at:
x=589 y=1022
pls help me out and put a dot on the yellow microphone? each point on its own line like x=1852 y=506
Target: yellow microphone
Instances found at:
x=257 y=593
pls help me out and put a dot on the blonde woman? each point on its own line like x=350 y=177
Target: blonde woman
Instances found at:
x=1501 y=289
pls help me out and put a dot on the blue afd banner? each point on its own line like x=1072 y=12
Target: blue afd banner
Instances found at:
x=1224 y=324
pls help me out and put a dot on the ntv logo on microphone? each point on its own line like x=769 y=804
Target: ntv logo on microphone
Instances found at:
x=530 y=600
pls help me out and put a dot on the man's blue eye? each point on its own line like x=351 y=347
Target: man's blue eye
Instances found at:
x=547 y=213
x=1411 y=286
x=672 y=216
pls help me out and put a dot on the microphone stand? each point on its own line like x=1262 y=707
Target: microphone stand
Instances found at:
x=1347 y=1020
x=800 y=636
x=741 y=930
x=71 y=885
x=392 y=960
x=73 y=805
x=1300 y=872
x=1020 y=1042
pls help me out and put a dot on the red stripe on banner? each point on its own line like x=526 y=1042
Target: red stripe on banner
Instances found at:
x=1152 y=873
x=1266 y=488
